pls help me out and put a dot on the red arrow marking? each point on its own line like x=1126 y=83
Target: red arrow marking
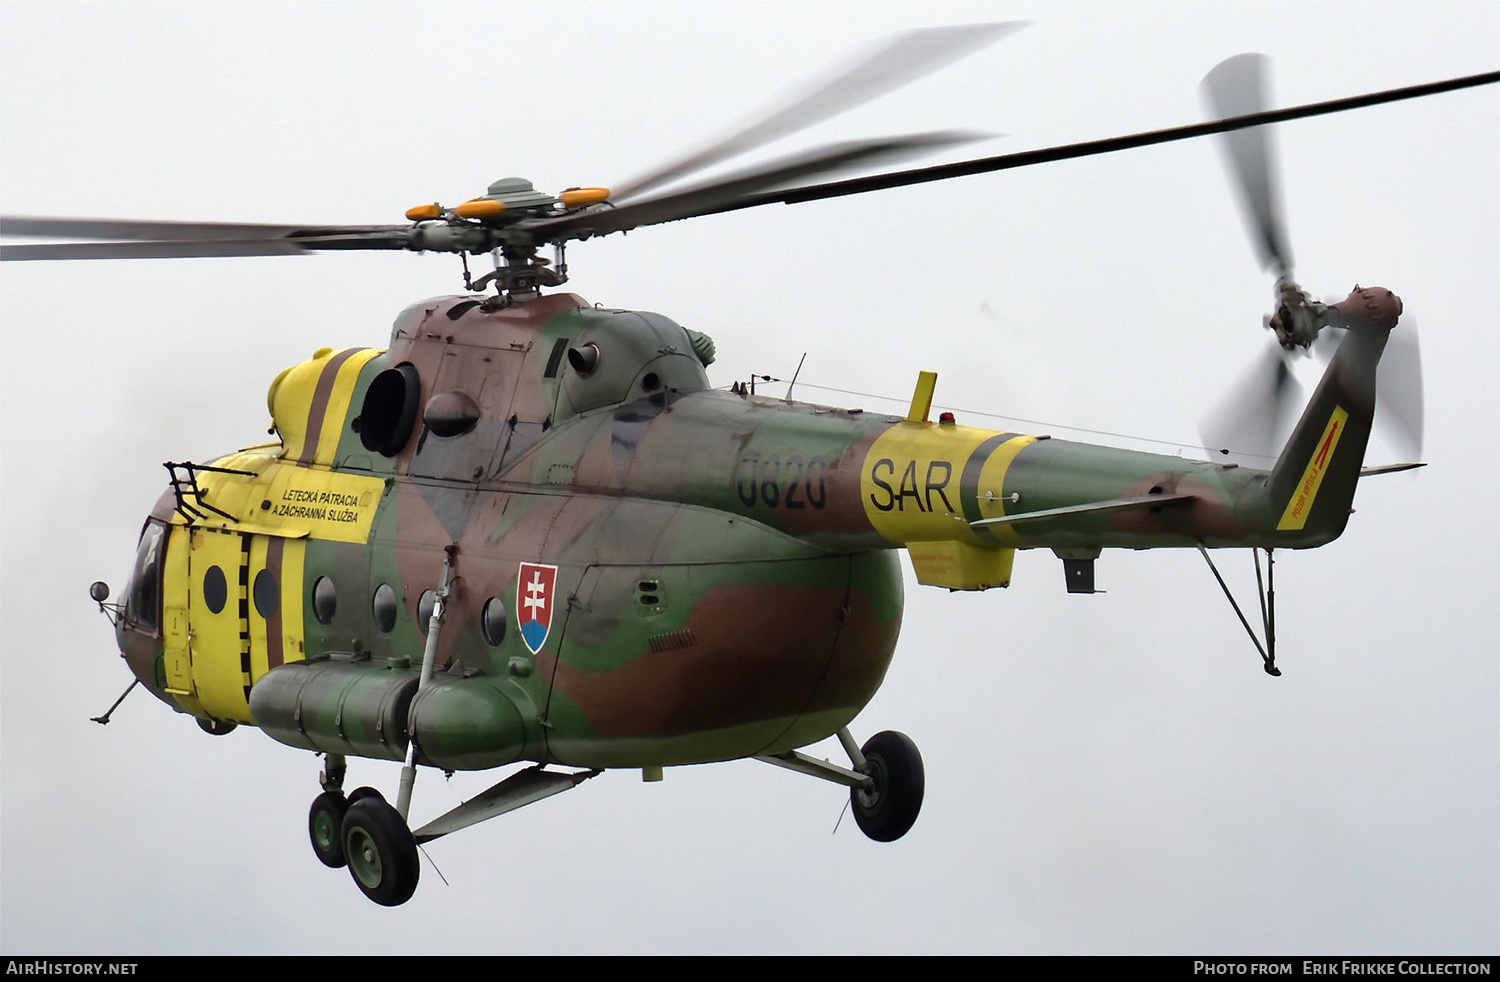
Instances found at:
x=1321 y=460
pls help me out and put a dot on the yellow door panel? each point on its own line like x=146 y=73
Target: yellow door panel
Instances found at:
x=174 y=626
x=218 y=621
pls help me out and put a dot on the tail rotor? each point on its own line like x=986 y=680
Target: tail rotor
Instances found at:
x=1252 y=418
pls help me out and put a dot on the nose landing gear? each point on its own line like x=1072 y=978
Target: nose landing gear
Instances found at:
x=885 y=785
x=888 y=807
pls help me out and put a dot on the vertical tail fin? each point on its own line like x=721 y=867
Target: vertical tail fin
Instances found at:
x=1312 y=484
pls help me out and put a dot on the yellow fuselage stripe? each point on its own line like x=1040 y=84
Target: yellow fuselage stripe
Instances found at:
x=337 y=409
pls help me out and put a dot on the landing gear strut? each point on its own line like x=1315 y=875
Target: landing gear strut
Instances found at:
x=885 y=785
x=325 y=819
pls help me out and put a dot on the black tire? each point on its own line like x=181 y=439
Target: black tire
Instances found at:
x=325 y=827
x=887 y=811
x=381 y=852
x=216 y=727
x=359 y=793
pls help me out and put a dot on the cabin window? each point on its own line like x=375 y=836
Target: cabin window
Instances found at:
x=143 y=602
x=263 y=592
x=324 y=600
x=215 y=589
x=384 y=608
x=492 y=621
x=425 y=606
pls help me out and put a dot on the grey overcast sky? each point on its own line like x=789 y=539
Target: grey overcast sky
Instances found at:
x=1105 y=774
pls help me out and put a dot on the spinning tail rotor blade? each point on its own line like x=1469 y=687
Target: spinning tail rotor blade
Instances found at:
x=1399 y=402
x=1238 y=87
x=901 y=61
x=1249 y=423
x=1398 y=391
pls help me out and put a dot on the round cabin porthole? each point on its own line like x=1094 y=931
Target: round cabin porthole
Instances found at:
x=263 y=592
x=215 y=589
x=384 y=608
x=492 y=621
x=324 y=600
x=425 y=605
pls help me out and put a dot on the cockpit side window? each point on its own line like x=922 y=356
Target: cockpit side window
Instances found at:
x=143 y=600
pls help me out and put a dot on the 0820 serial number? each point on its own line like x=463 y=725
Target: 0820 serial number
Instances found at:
x=765 y=480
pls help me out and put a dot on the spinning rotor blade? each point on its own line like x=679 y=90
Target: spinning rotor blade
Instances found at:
x=732 y=194
x=720 y=195
x=1093 y=148
x=1238 y=87
x=1398 y=391
x=185 y=240
x=1250 y=421
x=1399 y=401
x=188 y=248
x=901 y=61
x=97 y=228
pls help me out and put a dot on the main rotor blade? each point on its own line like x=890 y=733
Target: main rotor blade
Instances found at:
x=150 y=250
x=1091 y=148
x=108 y=228
x=902 y=60
x=288 y=240
x=1238 y=87
x=714 y=196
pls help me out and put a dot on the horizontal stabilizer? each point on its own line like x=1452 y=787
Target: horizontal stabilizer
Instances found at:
x=1113 y=504
x=1388 y=469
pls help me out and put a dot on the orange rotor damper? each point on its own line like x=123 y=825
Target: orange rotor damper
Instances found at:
x=420 y=212
x=578 y=197
x=479 y=208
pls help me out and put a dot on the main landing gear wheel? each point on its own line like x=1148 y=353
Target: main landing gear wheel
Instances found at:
x=888 y=810
x=325 y=827
x=381 y=851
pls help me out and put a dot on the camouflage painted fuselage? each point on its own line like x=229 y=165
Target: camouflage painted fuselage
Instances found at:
x=646 y=570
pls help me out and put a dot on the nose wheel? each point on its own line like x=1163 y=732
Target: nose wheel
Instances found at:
x=888 y=806
x=885 y=780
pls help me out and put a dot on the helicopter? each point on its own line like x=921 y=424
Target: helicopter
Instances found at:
x=908 y=485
